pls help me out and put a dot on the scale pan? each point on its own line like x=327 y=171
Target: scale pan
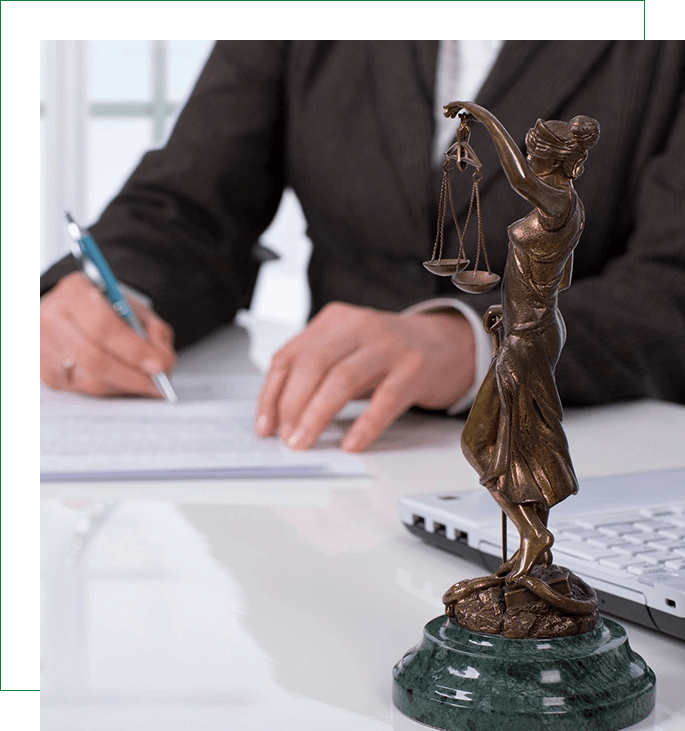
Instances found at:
x=475 y=282
x=446 y=267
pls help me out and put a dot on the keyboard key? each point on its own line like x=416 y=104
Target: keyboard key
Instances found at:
x=617 y=562
x=674 y=534
x=671 y=580
x=617 y=516
x=583 y=534
x=640 y=569
x=656 y=511
x=609 y=542
x=677 y=564
x=618 y=529
x=642 y=536
x=666 y=545
x=630 y=549
x=678 y=551
x=644 y=548
x=655 y=556
x=583 y=550
x=653 y=524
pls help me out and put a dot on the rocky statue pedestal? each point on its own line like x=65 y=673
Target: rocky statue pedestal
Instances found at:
x=460 y=680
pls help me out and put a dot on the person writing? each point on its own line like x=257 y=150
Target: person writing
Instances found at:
x=350 y=126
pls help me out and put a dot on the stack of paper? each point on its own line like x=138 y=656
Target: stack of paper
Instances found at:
x=209 y=433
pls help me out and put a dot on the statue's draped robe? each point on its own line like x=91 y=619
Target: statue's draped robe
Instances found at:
x=514 y=437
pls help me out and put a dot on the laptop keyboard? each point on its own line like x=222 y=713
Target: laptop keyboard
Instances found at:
x=648 y=543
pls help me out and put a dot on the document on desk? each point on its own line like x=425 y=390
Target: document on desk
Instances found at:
x=208 y=434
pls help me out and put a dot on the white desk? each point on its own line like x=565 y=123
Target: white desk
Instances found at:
x=225 y=605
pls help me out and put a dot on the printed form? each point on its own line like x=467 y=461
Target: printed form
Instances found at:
x=209 y=433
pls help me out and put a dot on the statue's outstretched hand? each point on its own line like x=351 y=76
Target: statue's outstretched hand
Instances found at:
x=453 y=108
x=473 y=110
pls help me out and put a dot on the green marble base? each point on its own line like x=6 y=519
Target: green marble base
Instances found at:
x=460 y=680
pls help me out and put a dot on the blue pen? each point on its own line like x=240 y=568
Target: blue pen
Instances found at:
x=96 y=268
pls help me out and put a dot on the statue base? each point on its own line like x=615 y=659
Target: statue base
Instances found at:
x=460 y=680
x=520 y=614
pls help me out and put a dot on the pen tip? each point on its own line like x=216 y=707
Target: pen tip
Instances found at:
x=68 y=216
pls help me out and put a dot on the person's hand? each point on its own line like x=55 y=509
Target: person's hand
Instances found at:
x=350 y=352
x=87 y=348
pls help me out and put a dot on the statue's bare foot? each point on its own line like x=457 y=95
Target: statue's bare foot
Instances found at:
x=508 y=565
x=532 y=550
x=546 y=558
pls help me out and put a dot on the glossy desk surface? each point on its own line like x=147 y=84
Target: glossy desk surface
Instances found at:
x=281 y=604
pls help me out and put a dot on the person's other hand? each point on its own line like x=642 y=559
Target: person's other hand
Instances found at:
x=350 y=352
x=87 y=348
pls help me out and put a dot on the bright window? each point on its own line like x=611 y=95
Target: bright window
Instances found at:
x=103 y=105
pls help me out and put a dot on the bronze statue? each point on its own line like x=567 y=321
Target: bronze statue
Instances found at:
x=513 y=437
x=584 y=673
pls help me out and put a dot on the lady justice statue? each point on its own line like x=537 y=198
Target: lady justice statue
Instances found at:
x=513 y=437
x=524 y=648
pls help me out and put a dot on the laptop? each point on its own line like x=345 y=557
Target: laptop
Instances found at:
x=623 y=534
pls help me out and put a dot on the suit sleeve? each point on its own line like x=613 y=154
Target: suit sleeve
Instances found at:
x=182 y=228
x=626 y=326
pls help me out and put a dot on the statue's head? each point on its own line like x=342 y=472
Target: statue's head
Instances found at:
x=555 y=144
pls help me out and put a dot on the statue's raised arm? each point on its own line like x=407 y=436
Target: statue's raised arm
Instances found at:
x=556 y=152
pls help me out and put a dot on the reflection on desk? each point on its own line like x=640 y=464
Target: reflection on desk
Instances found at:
x=265 y=604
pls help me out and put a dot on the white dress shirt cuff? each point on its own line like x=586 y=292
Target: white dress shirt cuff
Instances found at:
x=483 y=344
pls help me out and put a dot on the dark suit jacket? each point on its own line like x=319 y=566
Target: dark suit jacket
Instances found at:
x=349 y=126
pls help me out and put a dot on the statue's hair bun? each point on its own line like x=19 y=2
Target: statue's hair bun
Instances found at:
x=585 y=130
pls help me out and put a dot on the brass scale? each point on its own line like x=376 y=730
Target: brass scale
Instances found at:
x=474 y=281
